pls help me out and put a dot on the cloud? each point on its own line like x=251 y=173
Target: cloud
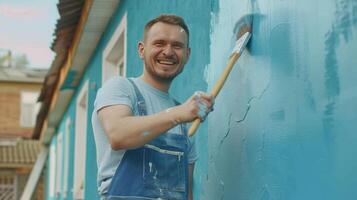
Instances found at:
x=19 y=12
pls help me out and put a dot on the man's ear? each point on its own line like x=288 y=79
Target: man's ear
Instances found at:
x=188 y=53
x=141 y=49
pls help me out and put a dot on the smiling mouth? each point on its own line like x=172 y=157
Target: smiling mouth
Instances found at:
x=166 y=62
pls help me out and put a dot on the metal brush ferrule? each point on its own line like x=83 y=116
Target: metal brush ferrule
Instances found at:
x=241 y=43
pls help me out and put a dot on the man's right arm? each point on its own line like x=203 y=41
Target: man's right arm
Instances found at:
x=126 y=131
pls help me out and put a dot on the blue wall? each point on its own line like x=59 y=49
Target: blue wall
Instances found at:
x=284 y=124
x=138 y=13
x=68 y=193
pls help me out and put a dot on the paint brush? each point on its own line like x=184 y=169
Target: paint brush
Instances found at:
x=243 y=30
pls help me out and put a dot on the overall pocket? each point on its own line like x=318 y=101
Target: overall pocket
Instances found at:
x=164 y=169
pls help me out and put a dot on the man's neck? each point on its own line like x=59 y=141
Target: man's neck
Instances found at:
x=158 y=84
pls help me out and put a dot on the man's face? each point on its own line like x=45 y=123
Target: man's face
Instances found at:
x=164 y=51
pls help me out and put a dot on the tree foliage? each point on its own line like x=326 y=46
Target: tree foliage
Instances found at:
x=17 y=61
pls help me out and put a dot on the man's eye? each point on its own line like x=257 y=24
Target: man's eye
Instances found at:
x=177 y=46
x=159 y=44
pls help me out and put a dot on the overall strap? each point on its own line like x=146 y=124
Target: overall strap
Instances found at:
x=140 y=104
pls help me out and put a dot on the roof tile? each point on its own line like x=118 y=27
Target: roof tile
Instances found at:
x=18 y=152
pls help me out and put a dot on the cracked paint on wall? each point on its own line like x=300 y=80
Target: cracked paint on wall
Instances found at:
x=284 y=123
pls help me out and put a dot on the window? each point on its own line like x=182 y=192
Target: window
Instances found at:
x=80 y=143
x=29 y=109
x=114 y=54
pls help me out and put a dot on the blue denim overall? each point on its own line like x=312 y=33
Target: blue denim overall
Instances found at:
x=158 y=170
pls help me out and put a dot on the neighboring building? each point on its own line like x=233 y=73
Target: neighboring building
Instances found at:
x=19 y=90
x=283 y=125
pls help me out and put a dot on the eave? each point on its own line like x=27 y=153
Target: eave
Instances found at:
x=71 y=60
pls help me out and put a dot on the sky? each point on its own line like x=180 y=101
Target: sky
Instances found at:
x=27 y=27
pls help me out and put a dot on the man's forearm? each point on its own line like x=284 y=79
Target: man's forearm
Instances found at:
x=126 y=131
x=129 y=132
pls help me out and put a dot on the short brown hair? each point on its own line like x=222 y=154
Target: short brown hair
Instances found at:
x=168 y=19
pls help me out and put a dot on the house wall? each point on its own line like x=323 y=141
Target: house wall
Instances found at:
x=137 y=15
x=284 y=124
x=10 y=108
x=66 y=193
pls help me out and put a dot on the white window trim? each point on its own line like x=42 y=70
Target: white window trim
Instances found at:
x=67 y=134
x=121 y=29
x=78 y=185
x=52 y=170
x=59 y=170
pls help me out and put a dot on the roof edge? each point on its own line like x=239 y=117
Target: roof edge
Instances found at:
x=46 y=107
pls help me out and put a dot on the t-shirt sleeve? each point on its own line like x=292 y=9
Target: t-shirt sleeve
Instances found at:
x=115 y=91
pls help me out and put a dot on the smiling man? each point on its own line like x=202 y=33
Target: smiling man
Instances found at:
x=143 y=150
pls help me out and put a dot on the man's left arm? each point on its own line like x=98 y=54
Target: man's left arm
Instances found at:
x=190 y=180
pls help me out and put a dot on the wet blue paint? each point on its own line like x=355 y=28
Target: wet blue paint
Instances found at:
x=284 y=123
x=146 y=133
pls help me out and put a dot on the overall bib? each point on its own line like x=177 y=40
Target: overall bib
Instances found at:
x=158 y=170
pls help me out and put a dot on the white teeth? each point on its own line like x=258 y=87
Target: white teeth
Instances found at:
x=166 y=62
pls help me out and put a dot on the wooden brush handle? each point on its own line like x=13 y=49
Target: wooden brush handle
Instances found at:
x=216 y=88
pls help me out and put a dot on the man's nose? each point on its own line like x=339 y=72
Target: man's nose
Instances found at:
x=168 y=51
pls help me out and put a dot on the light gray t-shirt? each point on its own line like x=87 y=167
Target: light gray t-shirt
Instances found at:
x=117 y=91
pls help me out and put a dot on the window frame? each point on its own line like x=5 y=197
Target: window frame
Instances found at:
x=66 y=156
x=59 y=167
x=24 y=112
x=80 y=147
x=107 y=66
x=52 y=170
